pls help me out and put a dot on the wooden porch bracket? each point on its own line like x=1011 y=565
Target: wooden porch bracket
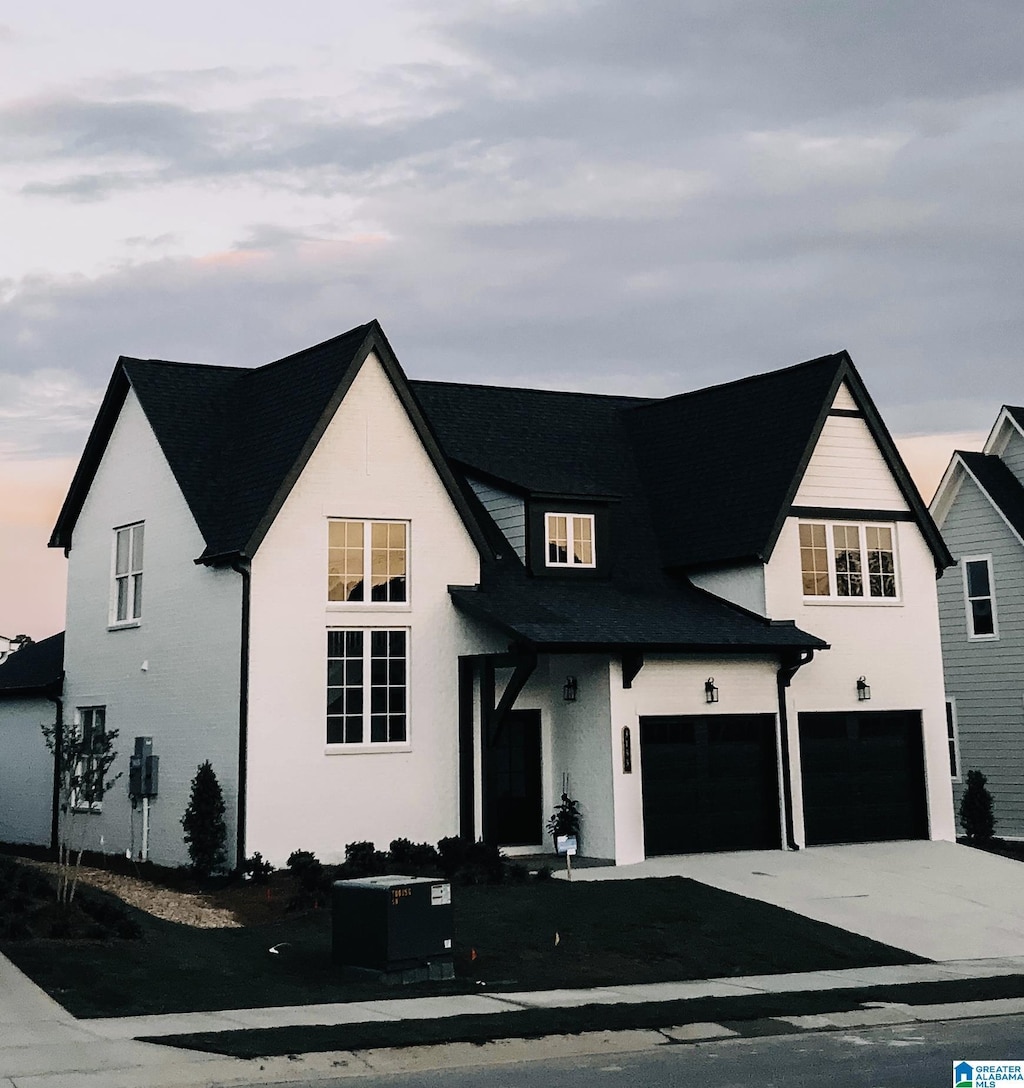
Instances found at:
x=632 y=663
x=524 y=661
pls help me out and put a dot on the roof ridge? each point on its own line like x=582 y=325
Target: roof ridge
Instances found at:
x=749 y=378
x=179 y=363
x=531 y=389
x=364 y=328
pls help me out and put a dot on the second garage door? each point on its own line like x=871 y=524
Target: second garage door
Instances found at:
x=710 y=783
x=863 y=777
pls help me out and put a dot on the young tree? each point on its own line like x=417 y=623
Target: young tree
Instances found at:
x=205 y=831
x=82 y=754
x=976 y=816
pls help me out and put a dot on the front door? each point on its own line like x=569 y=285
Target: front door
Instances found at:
x=512 y=781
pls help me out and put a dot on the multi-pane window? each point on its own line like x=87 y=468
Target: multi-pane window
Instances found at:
x=979 y=596
x=367 y=684
x=88 y=780
x=953 y=741
x=367 y=553
x=126 y=605
x=570 y=540
x=848 y=561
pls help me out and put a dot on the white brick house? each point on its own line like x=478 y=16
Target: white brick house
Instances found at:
x=385 y=608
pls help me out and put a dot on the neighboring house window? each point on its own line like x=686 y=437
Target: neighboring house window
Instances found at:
x=570 y=540
x=367 y=681
x=126 y=606
x=953 y=739
x=367 y=553
x=848 y=561
x=979 y=596
x=88 y=784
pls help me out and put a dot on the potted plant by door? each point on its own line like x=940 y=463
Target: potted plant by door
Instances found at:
x=565 y=821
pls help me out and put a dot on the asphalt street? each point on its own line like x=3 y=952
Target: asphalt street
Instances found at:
x=904 y=1056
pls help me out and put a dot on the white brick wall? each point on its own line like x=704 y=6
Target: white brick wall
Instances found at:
x=26 y=771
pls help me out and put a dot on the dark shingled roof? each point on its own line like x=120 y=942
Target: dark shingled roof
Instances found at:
x=1017 y=413
x=236 y=438
x=705 y=478
x=1000 y=484
x=602 y=615
x=36 y=669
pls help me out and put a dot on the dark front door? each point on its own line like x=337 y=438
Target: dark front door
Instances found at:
x=512 y=798
x=863 y=776
x=710 y=783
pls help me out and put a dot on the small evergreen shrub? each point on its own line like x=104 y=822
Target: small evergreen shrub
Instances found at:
x=976 y=815
x=363 y=859
x=414 y=858
x=257 y=870
x=306 y=870
x=205 y=830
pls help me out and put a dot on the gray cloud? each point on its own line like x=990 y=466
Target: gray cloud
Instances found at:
x=602 y=196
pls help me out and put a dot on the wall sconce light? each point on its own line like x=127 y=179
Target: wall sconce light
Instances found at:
x=710 y=691
x=570 y=689
x=863 y=690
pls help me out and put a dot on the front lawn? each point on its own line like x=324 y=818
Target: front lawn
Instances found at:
x=532 y=936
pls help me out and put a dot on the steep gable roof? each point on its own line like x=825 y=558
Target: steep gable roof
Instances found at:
x=236 y=439
x=36 y=669
x=999 y=485
x=715 y=471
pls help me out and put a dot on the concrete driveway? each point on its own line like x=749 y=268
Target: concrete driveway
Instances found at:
x=936 y=899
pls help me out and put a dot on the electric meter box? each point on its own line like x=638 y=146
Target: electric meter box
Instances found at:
x=399 y=926
x=143 y=769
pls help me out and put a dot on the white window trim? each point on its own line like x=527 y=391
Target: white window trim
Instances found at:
x=378 y=747
x=77 y=805
x=968 y=612
x=570 y=563
x=955 y=738
x=834 y=598
x=367 y=604
x=113 y=623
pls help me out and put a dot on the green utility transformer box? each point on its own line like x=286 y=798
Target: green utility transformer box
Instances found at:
x=400 y=928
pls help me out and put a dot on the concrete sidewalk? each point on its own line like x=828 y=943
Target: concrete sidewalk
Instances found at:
x=42 y=1046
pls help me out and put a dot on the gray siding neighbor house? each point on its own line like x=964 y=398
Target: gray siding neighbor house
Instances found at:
x=979 y=506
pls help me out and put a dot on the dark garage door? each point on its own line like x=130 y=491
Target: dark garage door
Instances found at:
x=863 y=777
x=710 y=782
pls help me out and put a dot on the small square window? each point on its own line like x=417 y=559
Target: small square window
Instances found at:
x=569 y=540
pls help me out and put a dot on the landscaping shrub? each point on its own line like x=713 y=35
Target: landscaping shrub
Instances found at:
x=307 y=871
x=205 y=830
x=257 y=870
x=414 y=858
x=976 y=816
x=363 y=859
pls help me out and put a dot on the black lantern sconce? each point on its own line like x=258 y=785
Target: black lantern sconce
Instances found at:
x=570 y=689
x=863 y=690
x=710 y=691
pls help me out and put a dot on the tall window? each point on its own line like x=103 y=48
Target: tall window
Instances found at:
x=848 y=561
x=367 y=553
x=979 y=596
x=126 y=606
x=88 y=785
x=570 y=540
x=367 y=681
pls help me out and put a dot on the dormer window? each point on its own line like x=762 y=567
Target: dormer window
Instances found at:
x=569 y=540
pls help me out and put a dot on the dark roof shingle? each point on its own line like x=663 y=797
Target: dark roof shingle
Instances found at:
x=36 y=669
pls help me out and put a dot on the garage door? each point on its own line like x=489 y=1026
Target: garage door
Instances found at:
x=863 y=777
x=710 y=782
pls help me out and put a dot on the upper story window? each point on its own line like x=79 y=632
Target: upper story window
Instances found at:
x=363 y=554
x=367 y=680
x=979 y=597
x=126 y=595
x=570 y=540
x=848 y=561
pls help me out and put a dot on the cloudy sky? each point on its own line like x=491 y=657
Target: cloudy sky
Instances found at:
x=609 y=196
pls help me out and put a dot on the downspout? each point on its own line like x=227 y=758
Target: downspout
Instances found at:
x=242 y=567
x=788 y=668
x=58 y=759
